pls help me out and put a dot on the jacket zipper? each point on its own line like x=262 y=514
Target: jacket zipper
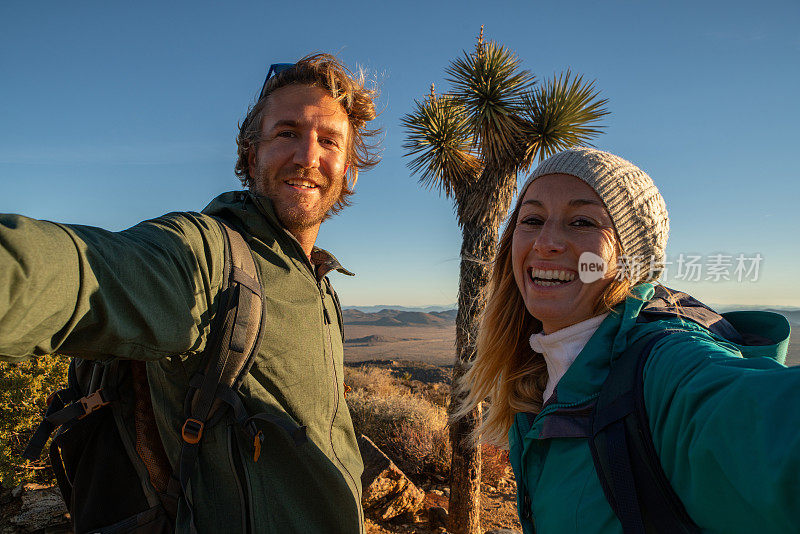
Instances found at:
x=327 y=328
x=241 y=481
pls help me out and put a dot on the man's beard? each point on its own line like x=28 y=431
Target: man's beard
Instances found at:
x=293 y=212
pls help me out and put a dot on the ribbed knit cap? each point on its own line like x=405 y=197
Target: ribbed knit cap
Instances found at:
x=636 y=207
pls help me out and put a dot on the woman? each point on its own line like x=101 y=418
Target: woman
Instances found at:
x=726 y=428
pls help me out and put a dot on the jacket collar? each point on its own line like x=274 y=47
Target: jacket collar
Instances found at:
x=586 y=375
x=256 y=216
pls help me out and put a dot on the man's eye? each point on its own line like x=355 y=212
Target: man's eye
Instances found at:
x=328 y=142
x=285 y=133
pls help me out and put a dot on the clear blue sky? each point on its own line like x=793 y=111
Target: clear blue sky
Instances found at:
x=114 y=112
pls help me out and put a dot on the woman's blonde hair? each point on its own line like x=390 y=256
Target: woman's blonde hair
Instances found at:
x=506 y=372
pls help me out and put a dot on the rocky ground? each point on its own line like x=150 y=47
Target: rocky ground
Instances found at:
x=498 y=513
x=33 y=508
x=39 y=509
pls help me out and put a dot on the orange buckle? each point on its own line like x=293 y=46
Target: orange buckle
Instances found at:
x=192 y=431
x=257 y=445
x=92 y=402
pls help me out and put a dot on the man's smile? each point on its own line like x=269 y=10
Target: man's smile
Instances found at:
x=299 y=183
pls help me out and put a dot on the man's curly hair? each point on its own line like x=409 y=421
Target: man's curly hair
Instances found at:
x=327 y=72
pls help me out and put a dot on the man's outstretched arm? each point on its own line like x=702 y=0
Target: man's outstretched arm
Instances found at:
x=142 y=293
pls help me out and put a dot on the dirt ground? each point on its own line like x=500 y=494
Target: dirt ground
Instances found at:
x=431 y=344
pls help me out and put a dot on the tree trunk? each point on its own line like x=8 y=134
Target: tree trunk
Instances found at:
x=477 y=251
x=481 y=209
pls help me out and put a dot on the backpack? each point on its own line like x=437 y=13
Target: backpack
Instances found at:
x=623 y=452
x=107 y=455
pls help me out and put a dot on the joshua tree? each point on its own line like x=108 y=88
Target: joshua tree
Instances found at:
x=470 y=144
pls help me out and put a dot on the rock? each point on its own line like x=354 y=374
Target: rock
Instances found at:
x=437 y=516
x=40 y=507
x=388 y=492
x=437 y=492
x=446 y=492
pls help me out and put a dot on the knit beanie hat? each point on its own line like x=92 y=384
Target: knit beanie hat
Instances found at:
x=632 y=200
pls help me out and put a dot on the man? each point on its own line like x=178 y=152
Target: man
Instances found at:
x=150 y=292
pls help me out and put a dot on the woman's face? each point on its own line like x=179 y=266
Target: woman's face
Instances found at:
x=561 y=218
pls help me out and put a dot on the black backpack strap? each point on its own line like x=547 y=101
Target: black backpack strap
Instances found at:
x=624 y=456
x=232 y=343
x=65 y=406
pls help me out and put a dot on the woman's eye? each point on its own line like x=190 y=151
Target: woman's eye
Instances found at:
x=531 y=221
x=583 y=222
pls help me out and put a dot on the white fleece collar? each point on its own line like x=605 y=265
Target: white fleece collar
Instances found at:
x=562 y=347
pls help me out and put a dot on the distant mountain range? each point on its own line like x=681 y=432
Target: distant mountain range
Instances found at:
x=381 y=307
x=393 y=317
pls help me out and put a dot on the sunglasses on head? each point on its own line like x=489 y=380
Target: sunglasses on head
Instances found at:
x=274 y=69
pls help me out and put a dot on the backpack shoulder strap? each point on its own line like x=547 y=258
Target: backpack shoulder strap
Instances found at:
x=229 y=349
x=236 y=332
x=76 y=401
x=624 y=456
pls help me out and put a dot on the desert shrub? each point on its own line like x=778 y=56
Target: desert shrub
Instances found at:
x=408 y=428
x=373 y=380
x=423 y=450
x=437 y=394
x=494 y=464
x=24 y=388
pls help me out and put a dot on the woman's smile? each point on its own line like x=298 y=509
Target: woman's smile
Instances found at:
x=544 y=278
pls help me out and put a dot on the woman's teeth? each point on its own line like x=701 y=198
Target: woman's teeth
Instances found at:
x=551 y=278
x=547 y=284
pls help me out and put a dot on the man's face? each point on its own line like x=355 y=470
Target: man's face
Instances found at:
x=300 y=162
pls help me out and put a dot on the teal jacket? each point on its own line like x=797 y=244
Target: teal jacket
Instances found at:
x=150 y=293
x=725 y=424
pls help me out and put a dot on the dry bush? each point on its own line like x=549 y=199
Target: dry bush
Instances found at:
x=408 y=428
x=422 y=450
x=373 y=380
x=437 y=394
x=494 y=464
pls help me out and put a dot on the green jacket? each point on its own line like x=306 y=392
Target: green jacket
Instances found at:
x=150 y=293
x=726 y=428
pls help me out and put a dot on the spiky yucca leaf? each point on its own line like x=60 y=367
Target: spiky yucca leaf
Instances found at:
x=489 y=84
x=438 y=134
x=561 y=113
